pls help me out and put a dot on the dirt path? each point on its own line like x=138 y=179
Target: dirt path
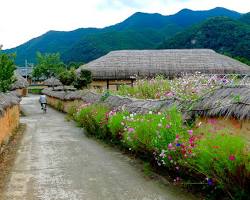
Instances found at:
x=57 y=161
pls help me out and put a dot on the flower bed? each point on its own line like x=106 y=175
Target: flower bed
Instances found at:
x=185 y=88
x=214 y=162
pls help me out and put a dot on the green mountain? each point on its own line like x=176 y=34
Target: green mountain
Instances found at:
x=245 y=18
x=222 y=34
x=139 y=31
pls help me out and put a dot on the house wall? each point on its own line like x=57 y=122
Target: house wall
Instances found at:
x=9 y=121
x=22 y=92
x=232 y=125
x=113 y=84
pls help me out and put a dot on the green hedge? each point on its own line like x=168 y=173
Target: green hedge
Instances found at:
x=35 y=90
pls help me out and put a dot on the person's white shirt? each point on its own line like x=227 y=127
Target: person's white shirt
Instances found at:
x=43 y=99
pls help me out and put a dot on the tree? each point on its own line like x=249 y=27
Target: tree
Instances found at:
x=83 y=79
x=75 y=65
x=67 y=77
x=48 y=65
x=7 y=68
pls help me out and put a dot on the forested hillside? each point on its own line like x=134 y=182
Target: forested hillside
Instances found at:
x=223 y=34
x=139 y=31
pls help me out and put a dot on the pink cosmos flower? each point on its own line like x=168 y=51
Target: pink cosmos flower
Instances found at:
x=130 y=130
x=177 y=137
x=170 y=146
x=212 y=121
x=162 y=154
x=168 y=126
x=190 y=132
x=169 y=94
x=232 y=157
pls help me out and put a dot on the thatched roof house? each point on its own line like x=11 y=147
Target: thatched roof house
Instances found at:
x=52 y=82
x=229 y=102
x=20 y=82
x=123 y=64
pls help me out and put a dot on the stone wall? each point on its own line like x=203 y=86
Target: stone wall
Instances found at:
x=63 y=105
x=132 y=105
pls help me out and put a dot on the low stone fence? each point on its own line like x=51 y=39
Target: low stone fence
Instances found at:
x=9 y=116
x=63 y=100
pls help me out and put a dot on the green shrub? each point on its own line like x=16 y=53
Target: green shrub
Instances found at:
x=223 y=158
x=218 y=161
x=84 y=79
x=152 y=132
x=94 y=119
x=59 y=105
x=116 y=125
x=67 y=77
x=7 y=68
x=72 y=110
x=146 y=89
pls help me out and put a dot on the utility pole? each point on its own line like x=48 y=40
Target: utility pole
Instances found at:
x=26 y=67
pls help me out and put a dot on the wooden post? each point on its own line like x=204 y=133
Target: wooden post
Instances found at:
x=132 y=82
x=107 y=84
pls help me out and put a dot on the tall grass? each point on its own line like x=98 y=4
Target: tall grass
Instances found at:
x=185 y=88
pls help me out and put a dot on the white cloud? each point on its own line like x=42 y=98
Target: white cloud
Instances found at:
x=22 y=20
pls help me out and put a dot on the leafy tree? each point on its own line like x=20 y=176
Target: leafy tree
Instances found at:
x=75 y=65
x=242 y=59
x=83 y=79
x=48 y=65
x=7 y=68
x=67 y=77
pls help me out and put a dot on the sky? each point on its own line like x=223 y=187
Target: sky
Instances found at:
x=22 y=20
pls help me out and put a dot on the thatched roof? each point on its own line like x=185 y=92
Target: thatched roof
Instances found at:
x=7 y=100
x=20 y=82
x=148 y=63
x=52 y=82
x=85 y=95
x=225 y=102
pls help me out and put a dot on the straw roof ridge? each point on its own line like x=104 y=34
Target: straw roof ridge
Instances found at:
x=65 y=95
x=229 y=101
x=64 y=88
x=52 y=82
x=172 y=62
x=20 y=82
x=7 y=100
